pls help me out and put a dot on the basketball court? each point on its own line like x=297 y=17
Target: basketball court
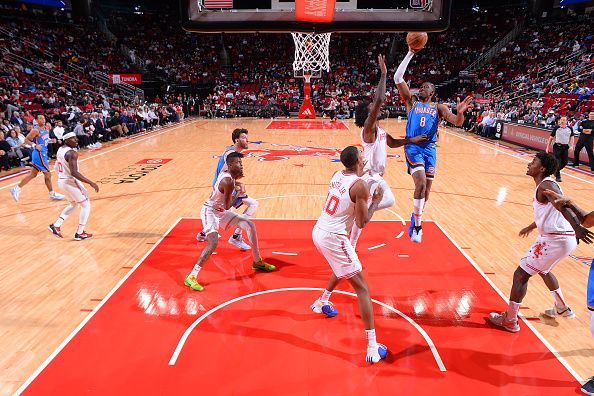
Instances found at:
x=112 y=315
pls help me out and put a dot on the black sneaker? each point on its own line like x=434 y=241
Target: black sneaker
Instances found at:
x=588 y=387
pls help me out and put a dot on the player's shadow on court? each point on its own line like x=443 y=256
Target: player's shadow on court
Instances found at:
x=133 y=235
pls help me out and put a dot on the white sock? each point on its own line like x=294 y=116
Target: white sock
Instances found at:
x=371 y=341
x=418 y=205
x=85 y=212
x=325 y=296
x=512 y=310
x=64 y=215
x=559 y=299
x=355 y=234
x=196 y=270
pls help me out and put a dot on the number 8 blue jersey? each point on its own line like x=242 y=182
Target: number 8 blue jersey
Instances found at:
x=423 y=119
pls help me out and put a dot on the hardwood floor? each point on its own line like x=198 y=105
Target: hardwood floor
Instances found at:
x=481 y=197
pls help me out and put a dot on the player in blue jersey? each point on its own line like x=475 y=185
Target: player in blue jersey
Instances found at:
x=38 y=138
x=586 y=220
x=240 y=143
x=423 y=119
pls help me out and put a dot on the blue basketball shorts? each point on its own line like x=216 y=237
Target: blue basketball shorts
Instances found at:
x=418 y=157
x=40 y=161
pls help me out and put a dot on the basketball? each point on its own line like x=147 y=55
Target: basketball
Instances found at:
x=416 y=40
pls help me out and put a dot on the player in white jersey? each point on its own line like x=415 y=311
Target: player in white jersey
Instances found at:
x=374 y=140
x=69 y=181
x=346 y=205
x=215 y=213
x=239 y=136
x=558 y=233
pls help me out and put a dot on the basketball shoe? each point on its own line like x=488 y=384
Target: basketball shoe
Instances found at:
x=417 y=235
x=565 y=312
x=81 y=236
x=55 y=230
x=263 y=266
x=500 y=320
x=588 y=387
x=375 y=353
x=326 y=308
x=192 y=283
x=201 y=236
x=55 y=196
x=16 y=193
x=411 y=227
x=237 y=240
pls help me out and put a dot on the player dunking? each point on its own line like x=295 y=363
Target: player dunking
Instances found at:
x=69 y=180
x=39 y=139
x=423 y=119
x=348 y=197
x=558 y=232
x=240 y=143
x=215 y=213
x=374 y=141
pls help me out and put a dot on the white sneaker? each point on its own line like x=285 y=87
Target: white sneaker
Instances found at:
x=563 y=312
x=376 y=353
x=239 y=243
x=501 y=320
x=201 y=237
x=417 y=236
x=326 y=308
x=55 y=196
x=16 y=193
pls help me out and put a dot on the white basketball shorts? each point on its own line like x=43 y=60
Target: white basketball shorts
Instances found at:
x=213 y=219
x=338 y=251
x=73 y=190
x=546 y=252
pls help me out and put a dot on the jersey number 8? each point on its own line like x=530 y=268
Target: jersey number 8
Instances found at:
x=423 y=121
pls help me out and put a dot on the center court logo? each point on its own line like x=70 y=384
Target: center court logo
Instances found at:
x=282 y=152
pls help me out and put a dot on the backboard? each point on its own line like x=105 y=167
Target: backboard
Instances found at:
x=209 y=16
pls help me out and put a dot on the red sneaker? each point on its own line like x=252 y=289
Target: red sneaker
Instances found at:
x=55 y=230
x=84 y=235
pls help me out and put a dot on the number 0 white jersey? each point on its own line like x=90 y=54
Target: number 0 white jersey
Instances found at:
x=217 y=198
x=339 y=210
x=375 y=153
x=61 y=165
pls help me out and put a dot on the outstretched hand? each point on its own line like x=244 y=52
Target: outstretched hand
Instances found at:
x=381 y=60
x=419 y=139
x=560 y=200
x=584 y=235
x=464 y=105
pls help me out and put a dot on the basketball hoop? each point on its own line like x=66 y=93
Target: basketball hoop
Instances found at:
x=311 y=54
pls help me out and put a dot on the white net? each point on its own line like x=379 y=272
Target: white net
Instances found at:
x=311 y=53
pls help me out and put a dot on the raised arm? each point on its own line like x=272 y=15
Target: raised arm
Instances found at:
x=456 y=119
x=401 y=84
x=376 y=105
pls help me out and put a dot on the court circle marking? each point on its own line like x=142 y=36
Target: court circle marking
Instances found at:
x=189 y=330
